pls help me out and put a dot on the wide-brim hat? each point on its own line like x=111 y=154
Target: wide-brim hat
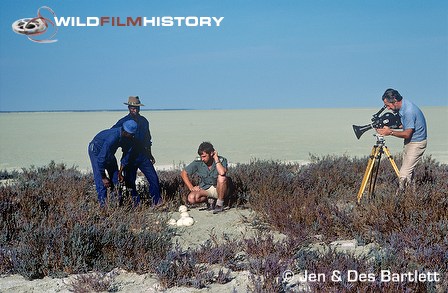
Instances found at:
x=134 y=101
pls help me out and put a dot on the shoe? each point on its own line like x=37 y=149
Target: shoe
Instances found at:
x=211 y=204
x=218 y=209
x=191 y=206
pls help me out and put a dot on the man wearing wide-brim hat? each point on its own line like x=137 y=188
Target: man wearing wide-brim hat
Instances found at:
x=140 y=155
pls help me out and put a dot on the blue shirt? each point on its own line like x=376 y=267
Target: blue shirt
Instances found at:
x=207 y=177
x=412 y=118
x=105 y=144
x=142 y=137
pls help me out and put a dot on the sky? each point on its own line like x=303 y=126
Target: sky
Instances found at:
x=263 y=55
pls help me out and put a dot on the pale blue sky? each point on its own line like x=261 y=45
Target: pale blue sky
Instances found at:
x=265 y=54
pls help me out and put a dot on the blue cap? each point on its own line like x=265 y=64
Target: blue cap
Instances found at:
x=130 y=126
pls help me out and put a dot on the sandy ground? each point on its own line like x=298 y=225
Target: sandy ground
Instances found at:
x=231 y=222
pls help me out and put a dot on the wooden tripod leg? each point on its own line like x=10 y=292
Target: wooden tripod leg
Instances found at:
x=376 y=168
x=368 y=171
x=392 y=161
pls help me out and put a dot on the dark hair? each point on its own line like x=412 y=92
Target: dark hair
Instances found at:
x=205 y=147
x=391 y=96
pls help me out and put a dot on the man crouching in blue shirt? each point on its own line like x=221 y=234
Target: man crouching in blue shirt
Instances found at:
x=211 y=170
x=102 y=156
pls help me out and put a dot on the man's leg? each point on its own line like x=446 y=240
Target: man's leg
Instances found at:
x=112 y=171
x=195 y=197
x=100 y=188
x=412 y=153
x=150 y=173
x=130 y=175
x=221 y=188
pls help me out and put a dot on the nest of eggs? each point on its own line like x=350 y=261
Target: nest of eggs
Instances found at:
x=184 y=220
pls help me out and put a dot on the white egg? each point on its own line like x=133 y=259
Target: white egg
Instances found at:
x=183 y=208
x=184 y=215
x=180 y=222
x=172 y=222
x=188 y=221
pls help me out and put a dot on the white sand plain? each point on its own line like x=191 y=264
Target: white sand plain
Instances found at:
x=243 y=135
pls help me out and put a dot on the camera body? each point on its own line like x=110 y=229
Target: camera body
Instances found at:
x=389 y=119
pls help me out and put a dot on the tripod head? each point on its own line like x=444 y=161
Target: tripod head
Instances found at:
x=380 y=141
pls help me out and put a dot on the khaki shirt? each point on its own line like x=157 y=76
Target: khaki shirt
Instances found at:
x=207 y=177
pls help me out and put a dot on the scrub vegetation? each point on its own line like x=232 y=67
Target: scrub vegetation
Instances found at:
x=52 y=225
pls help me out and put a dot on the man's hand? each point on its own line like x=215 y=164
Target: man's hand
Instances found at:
x=219 y=167
x=150 y=156
x=195 y=188
x=385 y=131
x=120 y=175
x=106 y=182
x=215 y=156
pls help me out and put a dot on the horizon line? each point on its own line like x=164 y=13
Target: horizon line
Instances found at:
x=186 y=109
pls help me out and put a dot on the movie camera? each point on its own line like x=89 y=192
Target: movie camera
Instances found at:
x=389 y=119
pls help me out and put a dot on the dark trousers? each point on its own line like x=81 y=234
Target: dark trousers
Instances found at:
x=112 y=171
x=145 y=165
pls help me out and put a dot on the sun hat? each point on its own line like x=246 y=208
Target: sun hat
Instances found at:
x=130 y=126
x=134 y=101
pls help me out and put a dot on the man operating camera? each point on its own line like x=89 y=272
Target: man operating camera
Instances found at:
x=413 y=132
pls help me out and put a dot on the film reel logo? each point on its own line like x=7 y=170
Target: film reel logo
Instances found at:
x=37 y=26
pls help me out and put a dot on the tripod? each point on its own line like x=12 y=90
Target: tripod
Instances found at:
x=373 y=165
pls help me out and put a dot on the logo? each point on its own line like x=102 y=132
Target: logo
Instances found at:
x=37 y=26
x=143 y=21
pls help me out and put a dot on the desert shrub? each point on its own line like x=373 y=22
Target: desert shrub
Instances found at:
x=181 y=268
x=321 y=199
x=215 y=251
x=52 y=226
x=268 y=259
x=342 y=272
x=299 y=200
x=5 y=174
x=93 y=282
x=171 y=185
x=172 y=188
x=192 y=267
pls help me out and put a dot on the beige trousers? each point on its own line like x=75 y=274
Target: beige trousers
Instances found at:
x=412 y=153
x=212 y=192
